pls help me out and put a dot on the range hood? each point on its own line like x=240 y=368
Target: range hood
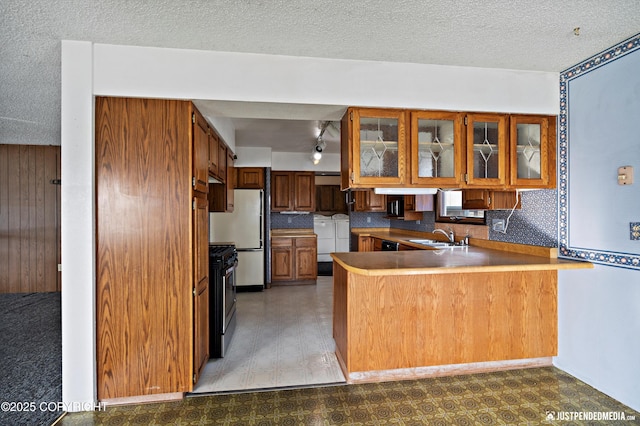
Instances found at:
x=405 y=191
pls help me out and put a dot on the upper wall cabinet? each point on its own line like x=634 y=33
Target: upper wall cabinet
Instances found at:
x=373 y=148
x=249 y=178
x=437 y=151
x=447 y=150
x=486 y=150
x=213 y=153
x=293 y=191
x=369 y=201
x=532 y=151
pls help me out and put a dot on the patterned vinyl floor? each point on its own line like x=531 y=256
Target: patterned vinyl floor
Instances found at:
x=528 y=397
x=284 y=340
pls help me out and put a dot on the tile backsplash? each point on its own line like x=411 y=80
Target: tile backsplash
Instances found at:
x=291 y=221
x=368 y=220
x=536 y=223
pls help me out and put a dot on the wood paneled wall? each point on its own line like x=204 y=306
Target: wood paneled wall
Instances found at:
x=29 y=218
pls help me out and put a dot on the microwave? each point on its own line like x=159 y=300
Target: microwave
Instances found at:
x=395 y=207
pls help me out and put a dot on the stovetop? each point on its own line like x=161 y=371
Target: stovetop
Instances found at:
x=220 y=252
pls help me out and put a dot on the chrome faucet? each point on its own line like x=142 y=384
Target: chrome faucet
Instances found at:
x=450 y=235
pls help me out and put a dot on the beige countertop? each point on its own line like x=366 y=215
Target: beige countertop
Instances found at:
x=480 y=256
x=292 y=233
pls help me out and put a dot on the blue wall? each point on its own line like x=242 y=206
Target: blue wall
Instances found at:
x=599 y=309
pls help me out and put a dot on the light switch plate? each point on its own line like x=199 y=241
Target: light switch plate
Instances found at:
x=497 y=225
x=635 y=230
x=625 y=175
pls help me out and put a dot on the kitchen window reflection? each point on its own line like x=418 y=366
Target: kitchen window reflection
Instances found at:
x=449 y=209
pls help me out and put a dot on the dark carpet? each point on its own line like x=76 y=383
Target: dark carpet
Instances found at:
x=31 y=356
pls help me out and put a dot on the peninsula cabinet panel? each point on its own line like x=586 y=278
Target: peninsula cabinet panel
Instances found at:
x=146 y=238
x=389 y=322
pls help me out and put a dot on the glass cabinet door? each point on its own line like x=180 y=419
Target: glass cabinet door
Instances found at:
x=436 y=148
x=378 y=146
x=486 y=150
x=531 y=151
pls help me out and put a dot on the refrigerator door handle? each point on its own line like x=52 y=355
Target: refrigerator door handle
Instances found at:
x=261 y=217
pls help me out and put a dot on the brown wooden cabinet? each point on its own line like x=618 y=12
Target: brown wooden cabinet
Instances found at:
x=373 y=151
x=487 y=150
x=201 y=282
x=222 y=161
x=484 y=199
x=532 y=151
x=152 y=236
x=446 y=150
x=365 y=243
x=437 y=148
x=294 y=258
x=200 y=152
x=416 y=205
x=293 y=191
x=221 y=195
x=368 y=201
x=249 y=178
x=213 y=153
x=330 y=199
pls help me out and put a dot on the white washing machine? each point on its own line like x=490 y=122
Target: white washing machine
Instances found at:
x=342 y=232
x=325 y=229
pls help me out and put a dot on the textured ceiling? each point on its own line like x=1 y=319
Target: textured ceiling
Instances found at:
x=511 y=34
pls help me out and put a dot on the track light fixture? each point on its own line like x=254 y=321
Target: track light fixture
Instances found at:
x=316 y=153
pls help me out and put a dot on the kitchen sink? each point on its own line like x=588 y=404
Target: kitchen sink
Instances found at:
x=436 y=244
x=425 y=241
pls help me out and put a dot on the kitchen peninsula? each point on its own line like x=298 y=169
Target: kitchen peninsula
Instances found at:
x=418 y=313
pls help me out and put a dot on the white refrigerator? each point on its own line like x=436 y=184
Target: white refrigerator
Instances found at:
x=245 y=228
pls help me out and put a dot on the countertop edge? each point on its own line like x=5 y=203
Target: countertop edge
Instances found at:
x=568 y=265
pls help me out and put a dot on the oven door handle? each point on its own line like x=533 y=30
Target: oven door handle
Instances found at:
x=230 y=270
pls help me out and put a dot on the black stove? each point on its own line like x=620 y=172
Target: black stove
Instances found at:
x=223 y=260
x=221 y=252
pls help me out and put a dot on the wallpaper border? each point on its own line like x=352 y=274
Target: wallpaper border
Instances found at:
x=625 y=260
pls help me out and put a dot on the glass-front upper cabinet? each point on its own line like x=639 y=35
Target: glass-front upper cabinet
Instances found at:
x=487 y=150
x=377 y=148
x=532 y=151
x=436 y=148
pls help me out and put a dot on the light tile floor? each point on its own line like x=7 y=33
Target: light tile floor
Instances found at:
x=283 y=339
